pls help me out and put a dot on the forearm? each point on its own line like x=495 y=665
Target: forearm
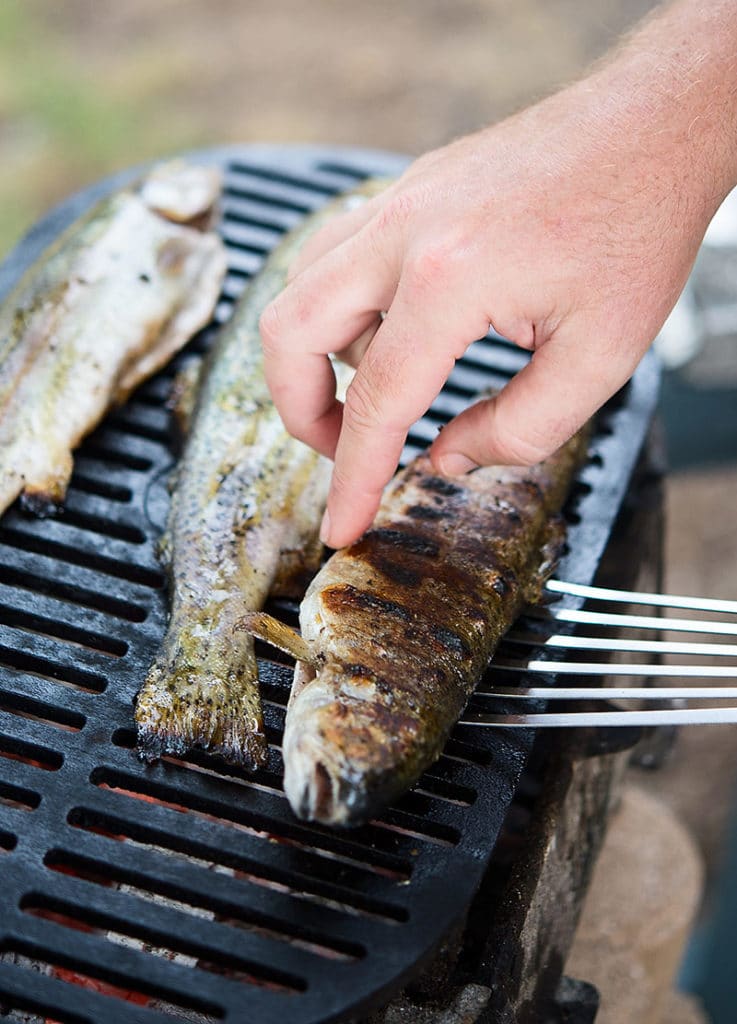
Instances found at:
x=672 y=87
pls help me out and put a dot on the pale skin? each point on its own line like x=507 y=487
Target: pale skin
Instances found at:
x=570 y=227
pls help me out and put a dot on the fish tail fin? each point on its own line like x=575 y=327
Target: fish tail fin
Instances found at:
x=179 y=709
x=44 y=491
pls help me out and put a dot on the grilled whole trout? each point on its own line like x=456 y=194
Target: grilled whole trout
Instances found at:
x=243 y=524
x=400 y=626
x=115 y=297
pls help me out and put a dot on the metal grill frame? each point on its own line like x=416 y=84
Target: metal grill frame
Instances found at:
x=82 y=609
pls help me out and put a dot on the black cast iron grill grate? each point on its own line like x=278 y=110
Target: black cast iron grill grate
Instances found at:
x=187 y=890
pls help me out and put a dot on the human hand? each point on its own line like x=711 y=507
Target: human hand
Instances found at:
x=570 y=228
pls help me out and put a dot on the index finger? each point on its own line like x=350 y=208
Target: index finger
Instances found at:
x=401 y=373
x=330 y=304
x=337 y=230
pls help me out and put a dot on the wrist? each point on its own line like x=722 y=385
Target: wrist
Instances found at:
x=671 y=89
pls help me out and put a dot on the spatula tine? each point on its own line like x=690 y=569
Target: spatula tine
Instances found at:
x=611 y=692
x=698 y=604
x=595 y=643
x=612 y=620
x=677 y=716
x=634 y=669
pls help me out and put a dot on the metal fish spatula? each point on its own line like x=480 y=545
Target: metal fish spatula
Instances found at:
x=547 y=633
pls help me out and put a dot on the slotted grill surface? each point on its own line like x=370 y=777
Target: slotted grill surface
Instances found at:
x=187 y=890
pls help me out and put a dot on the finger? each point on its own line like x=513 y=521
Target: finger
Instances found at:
x=323 y=310
x=337 y=230
x=402 y=371
x=540 y=409
x=355 y=352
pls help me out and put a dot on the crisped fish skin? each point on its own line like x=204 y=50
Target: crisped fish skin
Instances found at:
x=403 y=622
x=108 y=305
x=243 y=523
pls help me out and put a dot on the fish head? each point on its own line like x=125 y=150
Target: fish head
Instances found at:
x=348 y=750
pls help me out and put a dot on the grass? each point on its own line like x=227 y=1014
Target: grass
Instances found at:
x=60 y=125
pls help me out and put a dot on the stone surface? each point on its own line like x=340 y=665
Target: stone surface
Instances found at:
x=464 y=1009
x=699 y=780
x=682 y=1009
x=643 y=896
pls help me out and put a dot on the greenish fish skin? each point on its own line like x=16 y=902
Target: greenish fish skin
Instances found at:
x=104 y=307
x=243 y=524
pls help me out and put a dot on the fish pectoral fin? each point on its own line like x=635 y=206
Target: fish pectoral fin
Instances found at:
x=276 y=634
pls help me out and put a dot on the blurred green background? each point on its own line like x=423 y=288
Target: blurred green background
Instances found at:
x=89 y=86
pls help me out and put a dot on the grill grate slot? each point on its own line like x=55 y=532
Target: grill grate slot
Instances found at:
x=246 y=911
x=108 y=454
x=225 y=910
x=77 y=555
x=261 y=200
x=269 y=231
x=80 y=597
x=18 y=797
x=154 y=930
x=71 y=675
x=36 y=711
x=283 y=872
x=52 y=973
x=294 y=181
x=14 y=749
x=101 y=488
x=224 y=813
x=222 y=888
x=56 y=628
x=354 y=174
x=251 y=247
x=148 y=429
x=8 y=841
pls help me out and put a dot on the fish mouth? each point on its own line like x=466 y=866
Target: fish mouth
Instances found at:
x=309 y=784
x=331 y=794
x=317 y=801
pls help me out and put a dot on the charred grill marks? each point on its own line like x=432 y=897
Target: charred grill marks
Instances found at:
x=439 y=485
x=411 y=542
x=425 y=512
x=345 y=598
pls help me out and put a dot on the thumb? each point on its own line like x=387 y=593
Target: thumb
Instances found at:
x=539 y=409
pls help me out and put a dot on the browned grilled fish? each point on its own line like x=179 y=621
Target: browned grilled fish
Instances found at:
x=400 y=626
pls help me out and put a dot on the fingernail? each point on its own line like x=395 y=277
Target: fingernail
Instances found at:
x=455 y=464
x=325 y=529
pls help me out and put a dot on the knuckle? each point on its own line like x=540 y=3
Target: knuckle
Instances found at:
x=271 y=327
x=427 y=268
x=294 y=425
x=521 y=451
x=341 y=483
x=440 y=260
x=346 y=486
x=290 y=313
x=362 y=409
x=396 y=211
